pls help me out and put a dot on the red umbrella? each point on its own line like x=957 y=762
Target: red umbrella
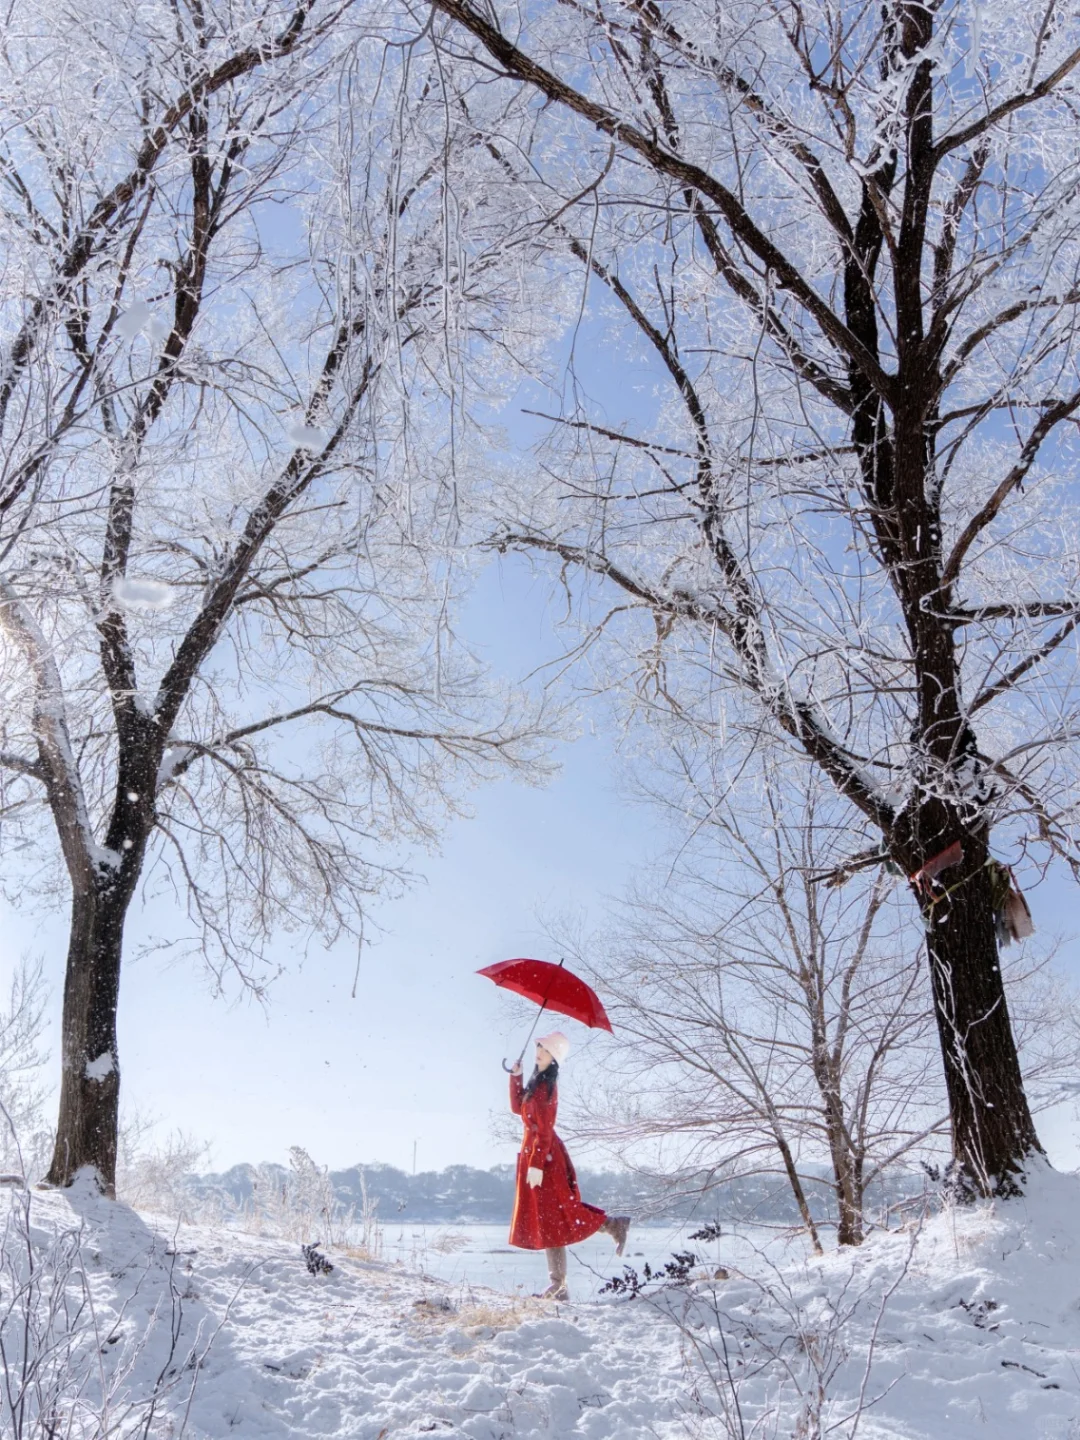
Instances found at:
x=552 y=987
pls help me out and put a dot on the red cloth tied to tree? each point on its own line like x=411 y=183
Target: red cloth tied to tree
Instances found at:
x=553 y=1213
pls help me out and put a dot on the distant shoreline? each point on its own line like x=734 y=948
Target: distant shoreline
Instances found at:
x=463 y=1194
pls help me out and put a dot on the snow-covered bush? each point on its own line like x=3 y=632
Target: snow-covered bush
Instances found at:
x=153 y=1176
x=24 y=1132
x=73 y=1365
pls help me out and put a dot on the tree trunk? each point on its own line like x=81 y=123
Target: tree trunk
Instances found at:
x=845 y=1181
x=849 y=1204
x=86 y=1133
x=992 y=1128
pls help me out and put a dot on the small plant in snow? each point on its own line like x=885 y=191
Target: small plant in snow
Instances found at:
x=774 y=1363
x=676 y=1271
x=316 y=1263
x=299 y=1206
x=154 y=1175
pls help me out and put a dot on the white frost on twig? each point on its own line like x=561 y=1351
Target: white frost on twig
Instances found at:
x=174 y=756
x=50 y=711
x=971 y=60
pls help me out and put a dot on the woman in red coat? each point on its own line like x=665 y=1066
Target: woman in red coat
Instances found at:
x=549 y=1213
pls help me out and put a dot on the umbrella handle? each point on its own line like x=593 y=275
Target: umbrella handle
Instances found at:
x=510 y=1068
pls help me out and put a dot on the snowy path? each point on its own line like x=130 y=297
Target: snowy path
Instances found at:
x=366 y=1353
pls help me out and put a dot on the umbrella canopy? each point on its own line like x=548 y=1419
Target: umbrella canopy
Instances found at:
x=552 y=987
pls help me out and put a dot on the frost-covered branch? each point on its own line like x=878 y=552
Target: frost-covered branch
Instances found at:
x=518 y=63
x=111 y=207
x=56 y=758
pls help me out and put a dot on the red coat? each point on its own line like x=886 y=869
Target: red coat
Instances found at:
x=553 y=1213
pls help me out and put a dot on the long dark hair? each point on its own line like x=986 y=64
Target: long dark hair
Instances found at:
x=549 y=1077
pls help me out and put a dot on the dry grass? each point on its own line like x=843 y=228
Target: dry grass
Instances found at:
x=478 y=1319
x=492 y=1317
x=356 y=1252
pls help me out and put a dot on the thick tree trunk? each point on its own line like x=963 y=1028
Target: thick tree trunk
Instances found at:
x=86 y=1134
x=992 y=1129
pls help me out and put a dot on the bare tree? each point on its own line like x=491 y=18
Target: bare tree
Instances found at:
x=766 y=1022
x=228 y=503
x=769 y=1021
x=844 y=237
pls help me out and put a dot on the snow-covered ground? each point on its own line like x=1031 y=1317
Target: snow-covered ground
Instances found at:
x=966 y=1327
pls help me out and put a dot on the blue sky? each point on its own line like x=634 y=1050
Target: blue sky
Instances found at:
x=415 y=1058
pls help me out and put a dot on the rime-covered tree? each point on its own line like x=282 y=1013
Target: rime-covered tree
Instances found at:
x=241 y=261
x=843 y=238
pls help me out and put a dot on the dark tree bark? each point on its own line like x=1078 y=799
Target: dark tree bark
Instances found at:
x=992 y=1127
x=87 y=1119
x=88 y=1116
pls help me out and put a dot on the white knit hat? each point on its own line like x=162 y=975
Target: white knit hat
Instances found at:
x=556 y=1044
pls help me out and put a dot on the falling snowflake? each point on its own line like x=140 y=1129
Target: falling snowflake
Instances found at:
x=142 y=594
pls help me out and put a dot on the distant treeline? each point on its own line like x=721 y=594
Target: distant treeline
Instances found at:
x=462 y=1195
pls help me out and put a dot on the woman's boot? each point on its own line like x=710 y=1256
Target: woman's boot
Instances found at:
x=618 y=1227
x=556 y=1259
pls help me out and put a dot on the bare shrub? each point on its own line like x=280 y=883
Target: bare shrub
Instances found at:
x=72 y=1366
x=771 y=1359
x=25 y=1136
x=302 y=1205
x=155 y=1176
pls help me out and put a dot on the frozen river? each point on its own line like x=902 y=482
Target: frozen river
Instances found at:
x=463 y=1255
